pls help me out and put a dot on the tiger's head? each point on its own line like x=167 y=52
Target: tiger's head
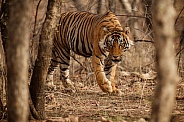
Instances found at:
x=115 y=42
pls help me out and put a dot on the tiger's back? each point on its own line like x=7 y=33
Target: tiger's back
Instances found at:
x=72 y=35
x=77 y=30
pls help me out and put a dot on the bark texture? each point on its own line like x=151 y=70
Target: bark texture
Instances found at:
x=163 y=24
x=42 y=62
x=17 y=59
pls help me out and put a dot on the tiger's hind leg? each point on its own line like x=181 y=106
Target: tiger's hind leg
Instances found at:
x=50 y=74
x=63 y=63
x=64 y=77
x=64 y=60
x=110 y=71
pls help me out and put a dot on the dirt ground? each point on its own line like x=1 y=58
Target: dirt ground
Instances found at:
x=90 y=103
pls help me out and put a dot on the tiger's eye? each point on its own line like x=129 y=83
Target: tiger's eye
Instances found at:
x=112 y=37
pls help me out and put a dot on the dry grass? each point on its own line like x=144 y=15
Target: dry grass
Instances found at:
x=90 y=102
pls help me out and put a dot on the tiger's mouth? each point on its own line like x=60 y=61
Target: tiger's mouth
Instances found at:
x=116 y=60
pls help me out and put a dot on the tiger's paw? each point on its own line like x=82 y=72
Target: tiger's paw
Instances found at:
x=69 y=86
x=106 y=86
x=117 y=92
x=50 y=86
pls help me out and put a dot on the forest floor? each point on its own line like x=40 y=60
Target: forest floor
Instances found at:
x=90 y=104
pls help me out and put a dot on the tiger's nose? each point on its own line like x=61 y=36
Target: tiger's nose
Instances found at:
x=115 y=57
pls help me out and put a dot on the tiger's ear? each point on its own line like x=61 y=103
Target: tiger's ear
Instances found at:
x=105 y=29
x=126 y=30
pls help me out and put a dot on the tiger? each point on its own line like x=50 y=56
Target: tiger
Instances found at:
x=100 y=37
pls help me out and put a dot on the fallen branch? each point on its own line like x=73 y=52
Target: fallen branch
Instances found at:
x=142 y=40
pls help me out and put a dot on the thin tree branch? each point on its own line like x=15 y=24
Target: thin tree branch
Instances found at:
x=179 y=51
x=37 y=7
x=79 y=62
x=179 y=15
x=128 y=15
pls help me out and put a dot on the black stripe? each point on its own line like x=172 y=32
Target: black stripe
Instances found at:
x=100 y=60
x=98 y=63
x=62 y=55
x=101 y=51
x=107 y=73
x=97 y=72
x=53 y=60
x=108 y=67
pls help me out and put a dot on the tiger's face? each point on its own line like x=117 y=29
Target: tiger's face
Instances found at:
x=115 y=43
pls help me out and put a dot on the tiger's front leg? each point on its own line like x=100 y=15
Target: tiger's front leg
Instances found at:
x=103 y=82
x=110 y=71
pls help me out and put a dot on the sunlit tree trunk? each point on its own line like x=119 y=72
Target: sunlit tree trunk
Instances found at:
x=37 y=84
x=4 y=35
x=163 y=24
x=4 y=21
x=17 y=59
x=2 y=78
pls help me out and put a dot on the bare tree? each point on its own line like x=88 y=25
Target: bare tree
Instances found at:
x=112 y=5
x=17 y=59
x=126 y=4
x=79 y=5
x=37 y=84
x=147 y=9
x=99 y=7
x=164 y=15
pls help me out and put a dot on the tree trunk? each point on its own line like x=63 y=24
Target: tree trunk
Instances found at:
x=112 y=5
x=3 y=22
x=17 y=59
x=37 y=84
x=147 y=10
x=163 y=24
x=99 y=7
x=2 y=78
x=126 y=5
x=135 y=23
x=79 y=5
x=4 y=35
